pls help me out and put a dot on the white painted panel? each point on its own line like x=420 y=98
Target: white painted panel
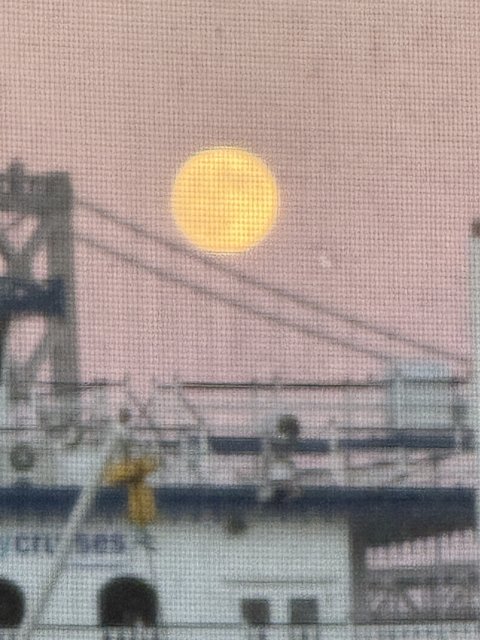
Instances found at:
x=201 y=572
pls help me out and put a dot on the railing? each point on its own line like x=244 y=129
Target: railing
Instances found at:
x=353 y=435
x=431 y=631
x=368 y=459
x=244 y=408
x=420 y=594
x=382 y=460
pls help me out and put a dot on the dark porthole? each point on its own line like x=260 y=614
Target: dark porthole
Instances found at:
x=12 y=604
x=127 y=602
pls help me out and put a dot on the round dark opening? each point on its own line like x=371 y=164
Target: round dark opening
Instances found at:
x=127 y=602
x=12 y=604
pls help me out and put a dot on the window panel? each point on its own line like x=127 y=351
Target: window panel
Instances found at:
x=303 y=611
x=256 y=612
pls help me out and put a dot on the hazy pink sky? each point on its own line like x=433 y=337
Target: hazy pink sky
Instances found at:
x=366 y=111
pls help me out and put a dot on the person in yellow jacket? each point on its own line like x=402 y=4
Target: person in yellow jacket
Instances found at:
x=132 y=472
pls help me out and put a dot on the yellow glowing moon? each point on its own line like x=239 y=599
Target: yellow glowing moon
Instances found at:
x=225 y=200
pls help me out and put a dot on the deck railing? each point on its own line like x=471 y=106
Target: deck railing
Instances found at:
x=367 y=460
x=368 y=434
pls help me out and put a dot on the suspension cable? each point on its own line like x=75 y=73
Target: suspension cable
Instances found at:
x=244 y=278
x=202 y=290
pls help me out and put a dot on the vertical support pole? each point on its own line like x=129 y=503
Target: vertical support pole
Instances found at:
x=4 y=372
x=4 y=324
x=358 y=597
x=475 y=383
x=397 y=393
x=60 y=259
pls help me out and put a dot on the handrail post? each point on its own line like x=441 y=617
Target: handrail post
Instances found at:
x=475 y=383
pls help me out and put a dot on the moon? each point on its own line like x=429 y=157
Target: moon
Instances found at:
x=225 y=200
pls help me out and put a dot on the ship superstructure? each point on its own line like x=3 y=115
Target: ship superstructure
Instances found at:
x=269 y=532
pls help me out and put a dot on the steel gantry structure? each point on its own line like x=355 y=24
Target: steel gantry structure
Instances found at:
x=46 y=201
